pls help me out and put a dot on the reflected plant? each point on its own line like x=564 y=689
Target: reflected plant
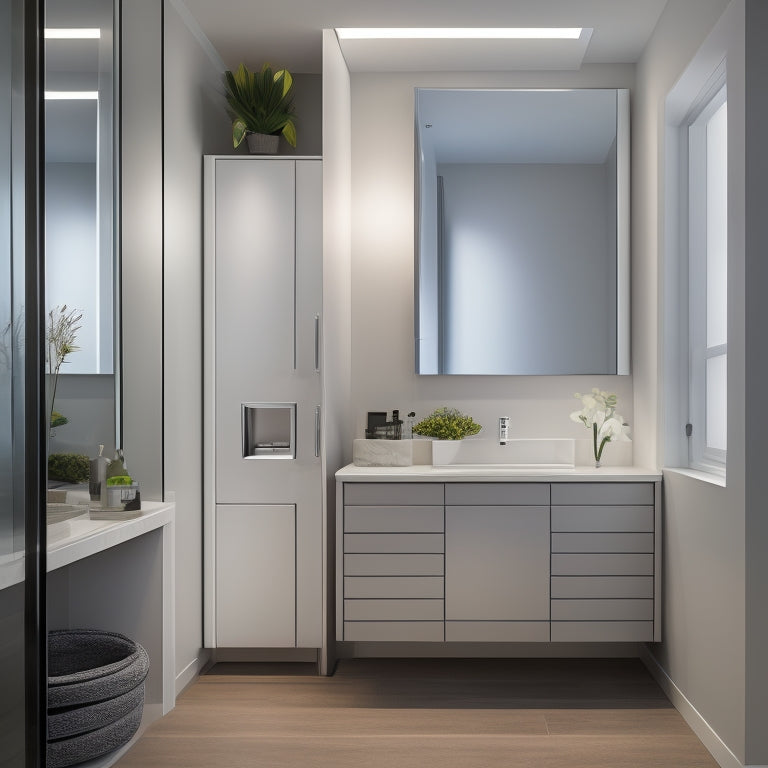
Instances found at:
x=61 y=334
x=11 y=341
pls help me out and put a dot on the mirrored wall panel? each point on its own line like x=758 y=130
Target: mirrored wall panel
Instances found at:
x=80 y=218
x=522 y=231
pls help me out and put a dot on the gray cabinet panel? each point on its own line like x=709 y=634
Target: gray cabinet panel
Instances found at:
x=393 y=610
x=255 y=576
x=393 y=587
x=602 y=610
x=602 y=493
x=602 y=631
x=393 y=542
x=602 y=565
x=602 y=586
x=497 y=631
x=406 y=631
x=602 y=518
x=393 y=565
x=393 y=494
x=602 y=542
x=411 y=519
x=528 y=494
x=497 y=563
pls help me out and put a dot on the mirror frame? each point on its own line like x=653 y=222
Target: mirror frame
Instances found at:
x=427 y=345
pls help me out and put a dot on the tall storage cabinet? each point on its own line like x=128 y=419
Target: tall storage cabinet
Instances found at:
x=263 y=483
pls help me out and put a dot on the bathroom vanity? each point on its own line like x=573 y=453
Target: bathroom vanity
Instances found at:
x=455 y=554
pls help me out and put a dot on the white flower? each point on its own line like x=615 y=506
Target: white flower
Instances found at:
x=598 y=414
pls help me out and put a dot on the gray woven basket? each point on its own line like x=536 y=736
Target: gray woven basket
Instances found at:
x=95 y=693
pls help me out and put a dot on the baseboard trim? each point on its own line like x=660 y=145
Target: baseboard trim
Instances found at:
x=708 y=736
x=191 y=672
x=267 y=655
x=362 y=650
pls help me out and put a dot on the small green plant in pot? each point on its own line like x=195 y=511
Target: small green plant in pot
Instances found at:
x=261 y=103
x=447 y=424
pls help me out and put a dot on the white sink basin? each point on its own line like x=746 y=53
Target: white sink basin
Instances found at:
x=521 y=453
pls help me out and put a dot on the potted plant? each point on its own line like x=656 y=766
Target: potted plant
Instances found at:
x=447 y=424
x=262 y=108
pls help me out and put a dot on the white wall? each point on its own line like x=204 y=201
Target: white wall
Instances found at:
x=336 y=333
x=141 y=213
x=709 y=593
x=195 y=123
x=383 y=266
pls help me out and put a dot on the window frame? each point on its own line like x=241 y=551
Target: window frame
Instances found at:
x=693 y=257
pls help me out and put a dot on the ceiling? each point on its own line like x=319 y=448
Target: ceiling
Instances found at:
x=290 y=34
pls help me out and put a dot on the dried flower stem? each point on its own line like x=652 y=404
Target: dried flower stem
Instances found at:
x=62 y=333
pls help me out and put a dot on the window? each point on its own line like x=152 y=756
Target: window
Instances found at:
x=707 y=260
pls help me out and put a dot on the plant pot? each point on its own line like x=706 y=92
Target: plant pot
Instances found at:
x=262 y=143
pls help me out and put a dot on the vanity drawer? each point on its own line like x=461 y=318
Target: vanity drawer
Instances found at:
x=394 y=542
x=393 y=494
x=393 y=565
x=602 y=610
x=602 y=493
x=407 y=631
x=479 y=494
x=394 y=587
x=497 y=631
x=414 y=519
x=602 y=542
x=602 y=586
x=602 y=631
x=602 y=518
x=602 y=565
x=394 y=610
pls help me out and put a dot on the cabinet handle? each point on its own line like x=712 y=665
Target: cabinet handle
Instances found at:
x=317 y=431
x=317 y=342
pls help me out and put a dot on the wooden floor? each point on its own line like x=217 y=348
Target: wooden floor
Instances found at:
x=382 y=713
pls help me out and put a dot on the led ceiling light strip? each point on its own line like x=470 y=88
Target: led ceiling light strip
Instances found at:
x=454 y=33
x=52 y=33
x=58 y=95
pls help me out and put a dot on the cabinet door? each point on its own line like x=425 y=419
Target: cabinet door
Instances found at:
x=497 y=563
x=256 y=576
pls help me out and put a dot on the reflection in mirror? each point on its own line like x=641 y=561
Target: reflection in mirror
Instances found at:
x=522 y=232
x=80 y=216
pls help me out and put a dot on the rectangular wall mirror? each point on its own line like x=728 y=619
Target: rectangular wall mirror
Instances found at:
x=522 y=241
x=81 y=218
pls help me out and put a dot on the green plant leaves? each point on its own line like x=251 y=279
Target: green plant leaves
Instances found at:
x=447 y=424
x=260 y=103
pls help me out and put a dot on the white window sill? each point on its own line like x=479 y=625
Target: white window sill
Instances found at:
x=697 y=474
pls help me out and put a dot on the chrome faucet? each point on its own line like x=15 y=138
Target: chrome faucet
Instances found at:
x=503 y=429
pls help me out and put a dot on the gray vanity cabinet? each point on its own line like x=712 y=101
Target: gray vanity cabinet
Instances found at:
x=392 y=562
x=604 y=562
x=497 y=561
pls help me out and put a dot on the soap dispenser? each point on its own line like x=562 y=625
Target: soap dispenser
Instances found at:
x=97 y=482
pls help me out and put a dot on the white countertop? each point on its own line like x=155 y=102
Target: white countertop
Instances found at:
x=477 y=473
x=80 y=537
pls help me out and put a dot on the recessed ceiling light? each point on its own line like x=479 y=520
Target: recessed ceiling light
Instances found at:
x=56 y=95
x=71 y=34
x=453 y=33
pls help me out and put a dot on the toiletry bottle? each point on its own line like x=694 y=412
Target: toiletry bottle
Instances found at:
x=408 y=426
x=397 y=425
x=97 y=485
